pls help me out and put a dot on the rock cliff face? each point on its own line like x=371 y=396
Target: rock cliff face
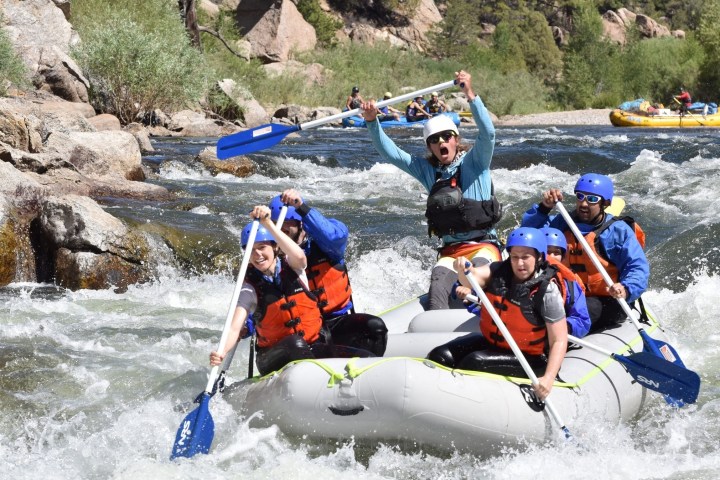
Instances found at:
x=56 y=155
x=274 y=29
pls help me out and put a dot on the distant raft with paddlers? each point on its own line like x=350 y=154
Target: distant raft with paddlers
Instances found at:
x=358 y=121
x=402 y=398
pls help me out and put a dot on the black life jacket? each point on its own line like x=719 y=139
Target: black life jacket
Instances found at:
x=448 y=212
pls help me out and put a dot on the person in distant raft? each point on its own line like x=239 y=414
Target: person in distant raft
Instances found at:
x=528 y=295
x=415 y=110
x=435 y=105
x=616 y=241
x=388 y=113
x=324 y=241
x=354 y=100
x=684 y=100
x=461 y=207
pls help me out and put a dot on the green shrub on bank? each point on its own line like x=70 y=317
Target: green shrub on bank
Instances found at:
x=655 y=68
x=324 y=25
x=12 y=68
x=709 y=37
x=136 y=65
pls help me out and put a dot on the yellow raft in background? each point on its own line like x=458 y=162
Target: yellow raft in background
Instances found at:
x=621 y=118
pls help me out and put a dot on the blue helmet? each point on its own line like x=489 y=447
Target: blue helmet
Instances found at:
x=262 y=235
x=595 y=183
x=527 y=237
x=276 y=205
x=555 y=238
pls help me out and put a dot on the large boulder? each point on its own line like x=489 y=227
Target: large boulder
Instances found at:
x=649 y=28
x=17 y=132
x=237 y=166
x=189 y=123
x=8 y=245
x=249 y=110
x=616 y=23
x=99 y=154
x=413 y=35
x=20 y=200
x=274 y=29
x=425 y=17
x=43 y=37
x=93 y=249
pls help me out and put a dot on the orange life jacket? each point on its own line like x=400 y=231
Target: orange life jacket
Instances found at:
x=518 y=306
x=329 y=281
x=581 y=264
x=284 y=309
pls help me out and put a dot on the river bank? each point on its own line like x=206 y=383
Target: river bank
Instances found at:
x=597 y=116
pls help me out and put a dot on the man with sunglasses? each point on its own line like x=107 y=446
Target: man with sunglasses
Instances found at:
x=461 y=206
x=613 y=241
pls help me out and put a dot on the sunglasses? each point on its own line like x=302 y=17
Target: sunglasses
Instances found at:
x=446 y=136
x=591 y=199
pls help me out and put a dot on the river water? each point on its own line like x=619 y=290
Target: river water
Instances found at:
x=93 y=384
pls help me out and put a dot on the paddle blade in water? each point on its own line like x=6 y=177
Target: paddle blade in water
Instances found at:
x=258 y=138
x=661 y=349
x=654 y=373
x=196 y=431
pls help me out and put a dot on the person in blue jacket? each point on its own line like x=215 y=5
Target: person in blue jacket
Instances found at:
x=324 y=241
x=461 y=206
x=612 y=239
x=576 y=310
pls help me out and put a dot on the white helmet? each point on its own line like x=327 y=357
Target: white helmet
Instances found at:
x=440 y=123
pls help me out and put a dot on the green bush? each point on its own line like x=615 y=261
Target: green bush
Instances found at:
x=654 y=69
x=325 y=25
x=12 y=68
x=133 y=66
x=377 y=9
x=708 y=34
x=524 y=36
x=454 y=33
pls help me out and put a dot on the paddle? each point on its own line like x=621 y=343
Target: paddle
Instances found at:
x=654 y=373
x=658 y=347
x=616 y=206
x=197 y=430
x=265 y=136
x=516 y=350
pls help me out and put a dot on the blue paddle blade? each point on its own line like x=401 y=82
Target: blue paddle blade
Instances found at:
x=196 y=431
x=678 y=384
x=661 y=349
x=665 y=351
x=258 y=138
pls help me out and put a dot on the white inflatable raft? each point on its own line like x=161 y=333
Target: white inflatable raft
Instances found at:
x=404 y=398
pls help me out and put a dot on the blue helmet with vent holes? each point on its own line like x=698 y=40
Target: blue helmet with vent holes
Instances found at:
x=595 y=183
x=527 y=237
